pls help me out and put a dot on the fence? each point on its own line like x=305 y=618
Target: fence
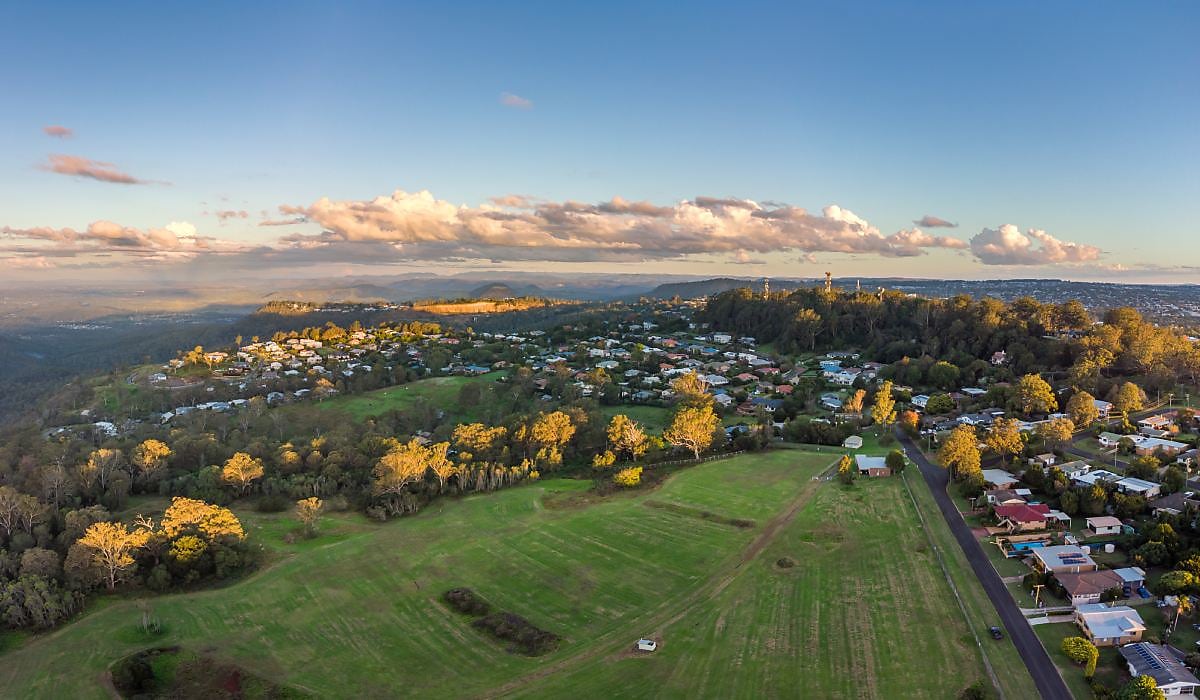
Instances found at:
x=702 y=460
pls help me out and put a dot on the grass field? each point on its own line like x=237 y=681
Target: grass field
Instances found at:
x=442 y=392
x=653 y=418
x=1110 y=669
x=865 y=614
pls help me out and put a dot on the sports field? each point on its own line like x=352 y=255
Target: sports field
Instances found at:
x=865 y=613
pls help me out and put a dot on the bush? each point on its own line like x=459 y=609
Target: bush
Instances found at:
x=786 y=562
x=467 y=602
x=523 y=636
x=272 y=503
x=629 y=477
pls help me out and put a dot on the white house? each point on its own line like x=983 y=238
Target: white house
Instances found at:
x=1103 y=408
x=1104 y=525
x=1164 y=664
x=853 y=442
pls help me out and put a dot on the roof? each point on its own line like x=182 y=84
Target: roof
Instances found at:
x=1023 y=512
x=1103 y=521
x=865 y=462
x=1062 y=555
x=1089 y=582
x=1161 y=662
x=1131 y=574
x=1130 y=482
x=998 y=476
x=1107 y=623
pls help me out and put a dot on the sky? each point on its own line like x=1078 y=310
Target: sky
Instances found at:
x=210 y=141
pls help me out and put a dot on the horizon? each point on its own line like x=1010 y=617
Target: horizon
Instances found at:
x=433 y=140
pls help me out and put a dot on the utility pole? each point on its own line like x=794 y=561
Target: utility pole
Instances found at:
x=1037 y=594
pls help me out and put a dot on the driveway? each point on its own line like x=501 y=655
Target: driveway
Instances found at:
x=1050 y=685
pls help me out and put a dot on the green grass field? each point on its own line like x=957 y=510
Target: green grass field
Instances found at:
x=653 y=418
x=442 y=392
x=866 y=613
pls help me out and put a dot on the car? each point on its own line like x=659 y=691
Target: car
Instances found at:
x=996 y=632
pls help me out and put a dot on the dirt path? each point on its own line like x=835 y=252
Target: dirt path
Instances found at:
x=670 y=611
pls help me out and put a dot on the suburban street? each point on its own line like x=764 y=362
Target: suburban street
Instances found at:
x=1049 y=683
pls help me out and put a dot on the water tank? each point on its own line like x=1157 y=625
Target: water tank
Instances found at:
x=1110 y=548
x=1086 y=549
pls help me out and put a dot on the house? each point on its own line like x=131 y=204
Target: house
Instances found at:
x=872 y=466
x=1022 y=517
x=1094 y=477
x=1149 y=446
x=1045 y=460
x=1111 y=440
x=1062 y=559
x=1162 y=421
x=999 y=479
x=853 y=442
x=1104 y=525
x=920 y=401
x=1139 y=487
x=1107 y=627
x=999 y=357
x=1103 y=408
x=1164 y=664
x=1133 y=578
x=1087 y=587
x=1174 y=504
x=1075 y=468
x=831 y=402
x=1005 y=497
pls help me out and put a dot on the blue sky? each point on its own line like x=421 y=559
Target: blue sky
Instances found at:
x=1081 y=124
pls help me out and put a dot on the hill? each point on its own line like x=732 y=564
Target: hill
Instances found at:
x=704 y=288
x=503 y=290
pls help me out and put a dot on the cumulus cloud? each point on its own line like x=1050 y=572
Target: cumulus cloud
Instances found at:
x=931 y=221
x=79 y=166
x=1007 y=245
x=176 y=240
x=515 y=101
x=419 y=226
x=58 y=132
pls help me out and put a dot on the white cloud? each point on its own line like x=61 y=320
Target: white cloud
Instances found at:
x=1007 y=245
x=515 y=101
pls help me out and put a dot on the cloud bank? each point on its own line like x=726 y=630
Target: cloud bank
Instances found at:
x=419 y=226
x=1006 y=245
x=177 y=240
x=79 y=166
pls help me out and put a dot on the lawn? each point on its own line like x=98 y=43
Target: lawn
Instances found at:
x=1109 y=669
x=653 y=418
x=356 y=611
x=441 y=392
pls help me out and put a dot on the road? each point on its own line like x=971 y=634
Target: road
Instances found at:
x=1049 y=683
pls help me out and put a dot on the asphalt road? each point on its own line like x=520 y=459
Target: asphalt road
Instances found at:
x=1050 y=685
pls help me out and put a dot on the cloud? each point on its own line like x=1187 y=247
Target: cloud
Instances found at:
x=58 y=132
x=1006 y=245
x=283 y=222
x=743 y=258
x=931 y=221
x=85 y=167
x=515 y=101
x=177 y=240
x=224 y=216
x=418 y=226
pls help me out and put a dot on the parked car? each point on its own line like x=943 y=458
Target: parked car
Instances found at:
x=996 y=632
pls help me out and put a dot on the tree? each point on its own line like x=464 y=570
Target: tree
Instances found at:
x=626 y=437
x=112 y=546
x=960 y=452
x=241 y=470
x=478 y=441
x=692 y=428
x=100 y=467
x=151 y=456
x=846 y=471
x=1056 y=431
x=551 y=432
x=308 y=512
x=854 y=402
x=189 y=516
x=940 y=404
x=405 y=465
x=1004 y=438
x=883 y=411
x=1082 y=409
x=1034 y=395
x=895 y=461
x=1128 y=398
x=1142 y=687
x=692 y=390
x=909 y=422
x=943 y=375
x=1082 y=652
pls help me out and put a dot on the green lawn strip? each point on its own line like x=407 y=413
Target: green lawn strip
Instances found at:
x=653 y=418
x=1006 y=662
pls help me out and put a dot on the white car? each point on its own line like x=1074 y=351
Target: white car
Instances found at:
x=647 y=645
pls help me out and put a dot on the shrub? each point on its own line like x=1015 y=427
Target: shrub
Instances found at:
x=467 y=602
x=786 y=562
x=272 y=503
x=628 y=477
x=523 y=636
